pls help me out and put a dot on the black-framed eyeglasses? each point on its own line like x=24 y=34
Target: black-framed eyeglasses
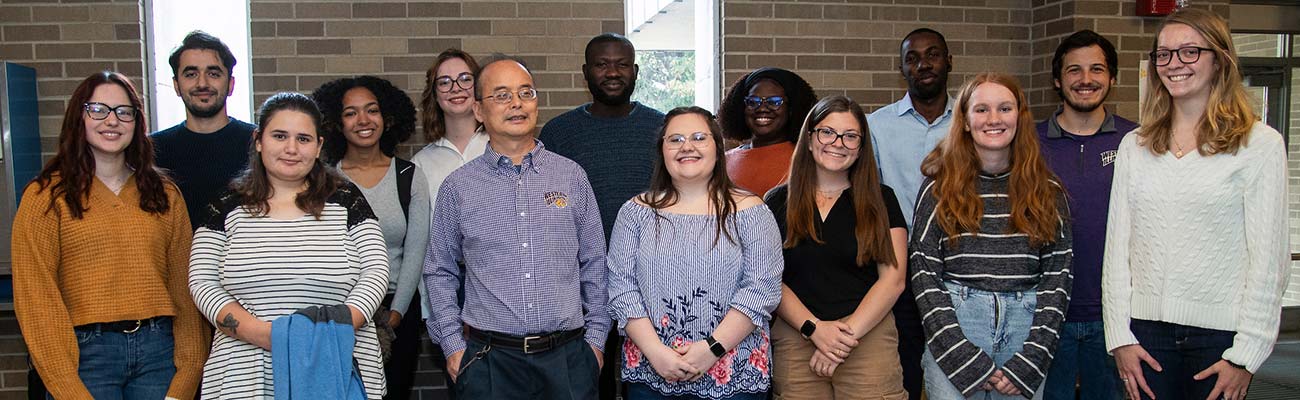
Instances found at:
x=444 y=83
x=100 y=111
x=676 y=141
x=1187 y=55
x=851 y=140
x=774 y=102
x=504 y=96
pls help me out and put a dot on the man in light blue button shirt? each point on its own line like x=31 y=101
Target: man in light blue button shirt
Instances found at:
x=902 y=134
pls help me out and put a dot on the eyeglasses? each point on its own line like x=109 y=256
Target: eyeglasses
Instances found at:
x=774 y=102
x=504 y=96
x=1187 y=55
x=851 y=140
x=464 y=81
x=676 y=141
x=100 y=111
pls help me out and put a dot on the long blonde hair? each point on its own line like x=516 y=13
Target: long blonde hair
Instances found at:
x=1225 y=127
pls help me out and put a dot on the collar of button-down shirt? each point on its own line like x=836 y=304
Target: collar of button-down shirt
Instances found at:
x=905 y=106
x=502 y=165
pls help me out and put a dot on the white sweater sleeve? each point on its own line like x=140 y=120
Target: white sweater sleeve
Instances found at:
x=1116 y=288
x=1267 y=247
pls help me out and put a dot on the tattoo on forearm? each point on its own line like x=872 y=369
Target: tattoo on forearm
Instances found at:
x=231 y=323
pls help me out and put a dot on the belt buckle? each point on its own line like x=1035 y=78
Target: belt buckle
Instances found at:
x=138 y=324
x=526 y=345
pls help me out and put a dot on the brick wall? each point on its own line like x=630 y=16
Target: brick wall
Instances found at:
x=839 y=47
x=66 y=41
x=853 y=48
x=1053 y=20
x=299 y=45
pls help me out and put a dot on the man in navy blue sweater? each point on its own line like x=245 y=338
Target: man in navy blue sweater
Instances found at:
x=209 y=147
x=1079 y=142
x=613 y=138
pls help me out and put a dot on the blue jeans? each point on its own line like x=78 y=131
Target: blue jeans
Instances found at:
x=1000 y=337
x=138 y=365
x=641 y=391
x=1182 y=351
x=1081 y=356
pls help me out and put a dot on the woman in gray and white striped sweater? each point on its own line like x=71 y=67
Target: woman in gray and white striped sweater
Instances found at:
x=990 y=252
x=289 y=235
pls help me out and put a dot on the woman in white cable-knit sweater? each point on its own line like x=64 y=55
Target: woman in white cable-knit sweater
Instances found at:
x=1196 y=257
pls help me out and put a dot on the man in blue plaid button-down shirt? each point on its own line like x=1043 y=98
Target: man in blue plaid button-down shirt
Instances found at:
x=525 y=223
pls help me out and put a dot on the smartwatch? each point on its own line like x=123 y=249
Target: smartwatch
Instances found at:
x=807 y=329
x=717 y=348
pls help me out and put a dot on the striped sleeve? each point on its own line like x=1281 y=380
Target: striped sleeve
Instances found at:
x=625 y=300
x=1028 y=368
x=207 y=254
x=762 y=261
x=367 y=240
x=965 y=365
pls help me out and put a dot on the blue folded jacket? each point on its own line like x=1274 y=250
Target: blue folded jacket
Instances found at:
x=311 y=355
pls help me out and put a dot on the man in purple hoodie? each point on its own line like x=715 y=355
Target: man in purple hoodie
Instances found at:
x=1079 y=142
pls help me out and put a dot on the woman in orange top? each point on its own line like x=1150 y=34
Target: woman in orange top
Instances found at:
x=763 y=111
x=101 y=248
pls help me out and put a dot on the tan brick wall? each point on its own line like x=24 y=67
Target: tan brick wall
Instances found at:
x=839 y=47
x=853 y=48
x=1117 y=20
x=299 y=45
x=66 y=42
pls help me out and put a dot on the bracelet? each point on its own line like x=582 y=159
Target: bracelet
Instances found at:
x=1234 y=364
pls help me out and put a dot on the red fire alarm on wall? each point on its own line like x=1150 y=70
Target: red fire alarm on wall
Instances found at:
x=1157 y=8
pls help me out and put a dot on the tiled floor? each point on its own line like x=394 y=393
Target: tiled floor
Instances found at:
x=1279 y=378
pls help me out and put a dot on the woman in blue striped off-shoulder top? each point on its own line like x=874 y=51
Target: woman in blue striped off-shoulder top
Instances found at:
x=695 y=273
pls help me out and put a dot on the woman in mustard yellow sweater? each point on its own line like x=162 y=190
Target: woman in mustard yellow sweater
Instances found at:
x=101 y=249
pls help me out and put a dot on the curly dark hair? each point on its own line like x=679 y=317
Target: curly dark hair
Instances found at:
x=394 y=105
x=799 y=98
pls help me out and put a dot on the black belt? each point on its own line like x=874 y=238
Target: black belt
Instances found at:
x=531 y=344
x=129 y=326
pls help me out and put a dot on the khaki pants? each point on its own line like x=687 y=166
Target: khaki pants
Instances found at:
x=871 y=371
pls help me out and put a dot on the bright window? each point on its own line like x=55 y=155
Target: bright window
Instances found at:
x=167 y=23
x=677 y=49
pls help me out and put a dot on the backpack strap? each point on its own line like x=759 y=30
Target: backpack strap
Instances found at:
x=405 y=173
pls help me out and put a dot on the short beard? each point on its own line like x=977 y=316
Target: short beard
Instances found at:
x=929 y=92
x=198 y=111
x=1084 y=108
x=599 y=95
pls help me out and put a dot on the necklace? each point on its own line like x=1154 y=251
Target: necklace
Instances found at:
x=830 y=194
x=1178 y=153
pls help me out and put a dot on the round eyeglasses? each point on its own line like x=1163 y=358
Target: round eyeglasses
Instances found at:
x=851 y=140
x=676 y=141
x=445 y=83
x=100 y=111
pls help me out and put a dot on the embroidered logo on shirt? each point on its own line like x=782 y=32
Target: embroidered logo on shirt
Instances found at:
x=1107 y=157
x=557 y=199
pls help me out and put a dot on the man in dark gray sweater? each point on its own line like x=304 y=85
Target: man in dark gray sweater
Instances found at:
x=613 y=139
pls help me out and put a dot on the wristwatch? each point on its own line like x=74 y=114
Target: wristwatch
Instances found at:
x=717 y=348
x=807 y=329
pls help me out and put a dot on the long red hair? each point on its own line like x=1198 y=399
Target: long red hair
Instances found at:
x=953 y=165
x=74 y=165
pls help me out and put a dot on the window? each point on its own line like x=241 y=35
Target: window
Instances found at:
x=1271 y=71
x=677 y=49
x=167 y=23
